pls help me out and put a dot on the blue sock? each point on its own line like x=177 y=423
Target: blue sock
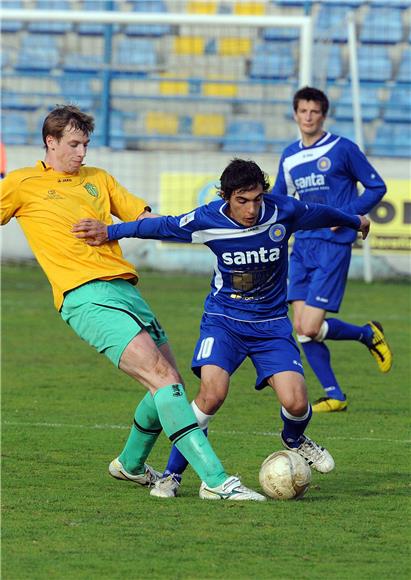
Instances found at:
x=177 y=463
x=318 y=356
x=340 y=330
x=294 y=427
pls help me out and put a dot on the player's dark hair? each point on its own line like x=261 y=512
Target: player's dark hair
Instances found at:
x=244 y=175
x=311 y=94
x=63 y=115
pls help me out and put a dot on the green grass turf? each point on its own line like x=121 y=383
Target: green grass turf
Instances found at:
x=66 y=413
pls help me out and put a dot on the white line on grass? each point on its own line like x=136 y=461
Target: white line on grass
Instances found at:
x=217 y=431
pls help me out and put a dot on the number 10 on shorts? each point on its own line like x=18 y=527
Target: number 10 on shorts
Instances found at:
x=206 y=347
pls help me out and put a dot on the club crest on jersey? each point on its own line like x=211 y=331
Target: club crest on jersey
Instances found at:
x=323 y=164
x=91 y=189
x=277 y=232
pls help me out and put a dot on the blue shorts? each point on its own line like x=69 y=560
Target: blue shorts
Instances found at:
x=318 y=273
x=225 y=342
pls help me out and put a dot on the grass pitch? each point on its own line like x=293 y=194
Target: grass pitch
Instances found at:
x=66 y=414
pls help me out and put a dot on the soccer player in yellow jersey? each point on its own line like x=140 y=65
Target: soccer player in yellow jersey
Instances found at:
x=95 y=291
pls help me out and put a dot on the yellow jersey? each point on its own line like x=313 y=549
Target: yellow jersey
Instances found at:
x=47 y=204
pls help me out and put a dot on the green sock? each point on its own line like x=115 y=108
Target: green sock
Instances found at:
x=180 y=425
x=143 y=435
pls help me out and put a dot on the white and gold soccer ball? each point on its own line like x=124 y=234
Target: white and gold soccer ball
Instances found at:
x=285 y=475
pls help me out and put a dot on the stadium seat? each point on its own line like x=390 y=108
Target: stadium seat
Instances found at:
x=281 y=34
x=245 y=137
x=382 y=25
x=404 y=69
x=201 y=7
x=392 y=140
x=345 y=129
x=11 y=100
x=398 y=106
x=249 y=8
x=374 y=63
x=330 y=56
x=370 y=105
x=189 y=45
x=86 y=63
x=158 y=123
x=77 y=90
x=147 y=29
x=14 y=128
x=48 y=27
x=208 y=125
x=330 y=23
x=215 y=87
x=11 y=25
x=173 y=86
x=270 y=62
x=135 y=55
x=94 y=28
x=38 y=53
x=234 y=46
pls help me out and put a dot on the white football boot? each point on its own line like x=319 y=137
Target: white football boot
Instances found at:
x=316 y=456
x=147 y=478
x=231 y=489
x=166 y=487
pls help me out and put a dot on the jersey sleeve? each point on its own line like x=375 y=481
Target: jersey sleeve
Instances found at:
x=124 y=204
x=166 y=228
x=363 y=172
x=310 y=216
x=280 y=185
x=9 y=198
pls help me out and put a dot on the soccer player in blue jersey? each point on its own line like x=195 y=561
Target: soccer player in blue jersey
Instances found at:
x=325 y=168
x=245 y=313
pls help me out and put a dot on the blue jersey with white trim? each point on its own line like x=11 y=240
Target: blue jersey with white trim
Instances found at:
x=328 y=172
x=250 y=274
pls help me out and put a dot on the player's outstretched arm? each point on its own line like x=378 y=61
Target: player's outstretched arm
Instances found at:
x=94 y=232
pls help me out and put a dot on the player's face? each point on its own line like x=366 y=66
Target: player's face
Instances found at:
x=309 y=118
x=244 y=206
x=67 y=154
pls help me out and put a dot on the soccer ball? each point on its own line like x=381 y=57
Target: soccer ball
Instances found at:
x=285 y=475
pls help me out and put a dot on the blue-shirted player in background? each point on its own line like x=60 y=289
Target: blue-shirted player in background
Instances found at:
x=245 y=313
x=325 y=168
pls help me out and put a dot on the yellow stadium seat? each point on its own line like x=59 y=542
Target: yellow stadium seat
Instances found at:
x=174 y=86
x=234 y=46
x=201 y=7
x=249 y=8
x=161 y=123
x=213 y=89
x=208 y=125
x=193 y=45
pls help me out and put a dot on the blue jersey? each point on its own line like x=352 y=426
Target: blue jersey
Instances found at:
x=250 y=274
x=328 y=173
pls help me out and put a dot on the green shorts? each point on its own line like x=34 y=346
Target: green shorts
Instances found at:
x=108 y=314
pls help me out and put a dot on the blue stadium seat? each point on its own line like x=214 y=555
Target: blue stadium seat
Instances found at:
x=332 y=56
x=374 y=63
x=382 y=25
x=77 y=90
x=11 y=25
x=245 y=137
x=117 y=136
x=272 y=62
x=38 y=53
x=14 y=128
x=392 y=140
x=282 y=34
x=345 y=129
x=398 y=106
x=370 y=105
x=48 y=27
x=404 y=70
x=85 y=63
x=148 y=29
x=135 y=55
x=95 y=28
x=18 y=101
x=331 y=22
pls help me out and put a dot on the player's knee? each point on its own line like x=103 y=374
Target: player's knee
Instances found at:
x=310 y=331
x=297 y=407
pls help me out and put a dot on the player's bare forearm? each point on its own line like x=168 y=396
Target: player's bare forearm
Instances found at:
x=94 y=232
x=364 y=226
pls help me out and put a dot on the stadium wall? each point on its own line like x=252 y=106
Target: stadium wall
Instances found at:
x=130 y=167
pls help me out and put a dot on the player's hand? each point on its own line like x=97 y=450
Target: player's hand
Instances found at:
x=94 y=232
x=364 y=226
